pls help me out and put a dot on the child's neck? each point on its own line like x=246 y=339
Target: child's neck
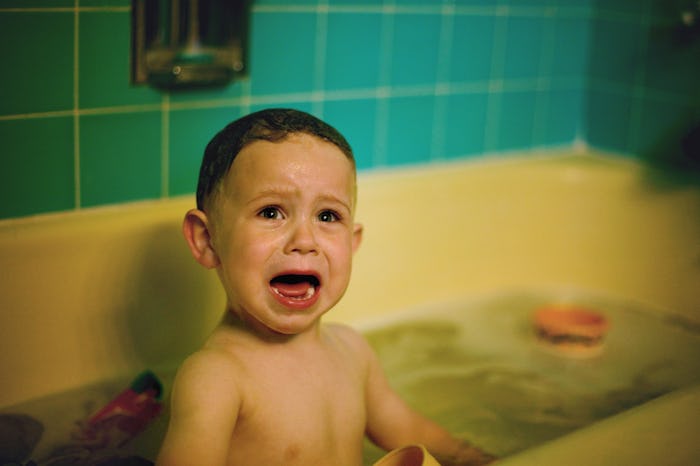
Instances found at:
x=259 y=332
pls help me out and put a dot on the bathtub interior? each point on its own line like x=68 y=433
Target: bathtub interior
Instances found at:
x=97 y=296
x=474 y=365
x=478 y=367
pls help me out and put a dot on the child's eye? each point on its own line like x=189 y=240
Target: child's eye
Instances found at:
x=270 y=213
x=328 y=216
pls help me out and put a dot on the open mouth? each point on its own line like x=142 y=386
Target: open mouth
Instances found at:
x=295 y=287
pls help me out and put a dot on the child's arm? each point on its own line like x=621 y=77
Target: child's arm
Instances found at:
x=391 y=424
x=204 y=407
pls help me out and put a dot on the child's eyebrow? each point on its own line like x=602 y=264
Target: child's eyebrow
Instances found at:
x=335 y=200
x=271 y=193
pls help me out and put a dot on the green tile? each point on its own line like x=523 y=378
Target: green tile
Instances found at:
x=37 y=63
x=37 y=174
x=190 y=131
x=105 y=63
x=120 y=158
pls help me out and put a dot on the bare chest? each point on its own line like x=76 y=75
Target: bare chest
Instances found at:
x=309 y=414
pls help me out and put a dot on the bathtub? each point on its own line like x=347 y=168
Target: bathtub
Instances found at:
x=93 y=297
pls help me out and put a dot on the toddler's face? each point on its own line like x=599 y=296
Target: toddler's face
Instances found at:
x=284 y=232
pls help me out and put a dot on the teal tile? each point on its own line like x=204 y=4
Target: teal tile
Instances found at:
x=351 y=2
x=465 y=122
x=106 y=3
x=353 y=58
x=190 y=131
x=27 y=4
x=355 y=119
x=120 y=158
x=563 y=117
x=416 y=47
x=471 y=48
x=516 y=120
x=410 y=130
x=105 y=64
x=422 y=3
x=662 y=126
x=617 y=48
x=283 y=48
x=304 y=106
x=282 y=3
x=583 y=7
x=233 y=90
x=37 y=174
x=618 y=7
x=523 y=53
x=673 y=67
x=570 y=47
x=479 y=3
x=608 y=120
x=37 y=63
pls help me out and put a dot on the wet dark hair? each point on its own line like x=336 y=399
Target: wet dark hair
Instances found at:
x=273 y=125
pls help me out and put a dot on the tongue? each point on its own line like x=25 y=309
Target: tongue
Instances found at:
x=292 y=290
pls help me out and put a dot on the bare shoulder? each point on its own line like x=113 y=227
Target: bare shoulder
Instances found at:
x=208 y=362
x=210 y=373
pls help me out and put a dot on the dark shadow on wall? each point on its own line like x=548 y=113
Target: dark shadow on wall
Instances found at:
x=674 y=157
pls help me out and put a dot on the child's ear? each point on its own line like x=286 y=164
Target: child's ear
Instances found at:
x=357 y=230
x=195 y=227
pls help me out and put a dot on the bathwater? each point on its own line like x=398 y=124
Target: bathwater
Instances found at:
x=478 y=368
x=475 y=366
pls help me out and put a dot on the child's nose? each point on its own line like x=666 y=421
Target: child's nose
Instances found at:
x=302 y=238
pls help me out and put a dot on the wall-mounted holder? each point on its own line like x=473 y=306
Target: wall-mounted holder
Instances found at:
x=189 y=43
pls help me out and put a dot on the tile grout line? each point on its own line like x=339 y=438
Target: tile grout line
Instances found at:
x=320 y=57
x=442 y=86
x=493 y=103
x=544 y=73
x=382 y=92
x=165 y=146
x=76 y=105
x=638 y=93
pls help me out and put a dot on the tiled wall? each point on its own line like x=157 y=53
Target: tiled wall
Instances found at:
x=407 y=82
x=643 y=94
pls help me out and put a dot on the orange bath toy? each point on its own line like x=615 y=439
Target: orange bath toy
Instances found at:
x=573 y=330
